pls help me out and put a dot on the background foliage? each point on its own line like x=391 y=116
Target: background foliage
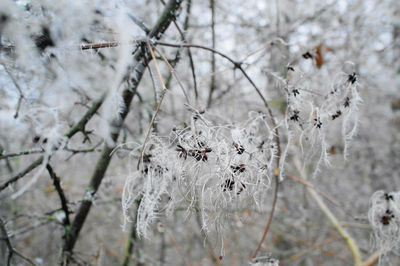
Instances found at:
x=301 y=92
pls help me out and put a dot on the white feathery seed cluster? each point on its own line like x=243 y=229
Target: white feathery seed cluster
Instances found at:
x=313 y=113
x=384 y=217
x=217 y=169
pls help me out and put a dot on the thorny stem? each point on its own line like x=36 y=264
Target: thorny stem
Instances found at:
x=80 y=126
x=61 y=194
x=22 y=174
x=11 y=249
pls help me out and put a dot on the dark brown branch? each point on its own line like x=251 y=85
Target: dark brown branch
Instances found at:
x=79 y=127
x=16 y=154
x=36 y=151
x=132 y=237
x=11 y=249
x=177 y=56
x=141 y=59
x=139 y=23
x=213 y=66
x=61 y=194
x=238 y=65
x=269 y=217
x=22 y=174
x=99 y=45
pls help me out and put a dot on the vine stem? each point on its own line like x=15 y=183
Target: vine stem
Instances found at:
x=157 y=108
x=239 y=66
x=332 y=218
x=271 y=214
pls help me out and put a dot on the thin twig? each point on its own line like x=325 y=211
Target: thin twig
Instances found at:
x=238 y=65
x=21 y=95
x=11 y=249
x=178 y=249
x=36 y=151
x=132 y=240
x=136 y=74
x=140 y=23
x=157 y=108
x=16 y=154
x=214 y=258
x=23 y=173
x=183 y=38
x=372 y=259
x=79 y=127
x=307 y=184
x=99 y=45
x=213 y=66
x=269 y=217
x=332 y=218
x=60 y=192
x=173 y=73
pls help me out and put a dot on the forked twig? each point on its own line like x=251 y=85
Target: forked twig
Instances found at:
x=11 y=249
x=173 y=73
x=157 y=108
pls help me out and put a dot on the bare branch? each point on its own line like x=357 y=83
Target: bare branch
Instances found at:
x=22 y=174
x=60 y=192
x=11 y=249
x=157 y=108
x=168 y=15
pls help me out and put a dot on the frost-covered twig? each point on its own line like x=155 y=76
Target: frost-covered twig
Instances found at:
x=238 y=65
x=141 y=61
x=173 y=73
x=17 y=154
x=21 y=94
x=157 y=107
x=213 y=65
x=79 y=127
x=23 y=173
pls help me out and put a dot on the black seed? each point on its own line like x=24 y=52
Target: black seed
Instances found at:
x=44 y=40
